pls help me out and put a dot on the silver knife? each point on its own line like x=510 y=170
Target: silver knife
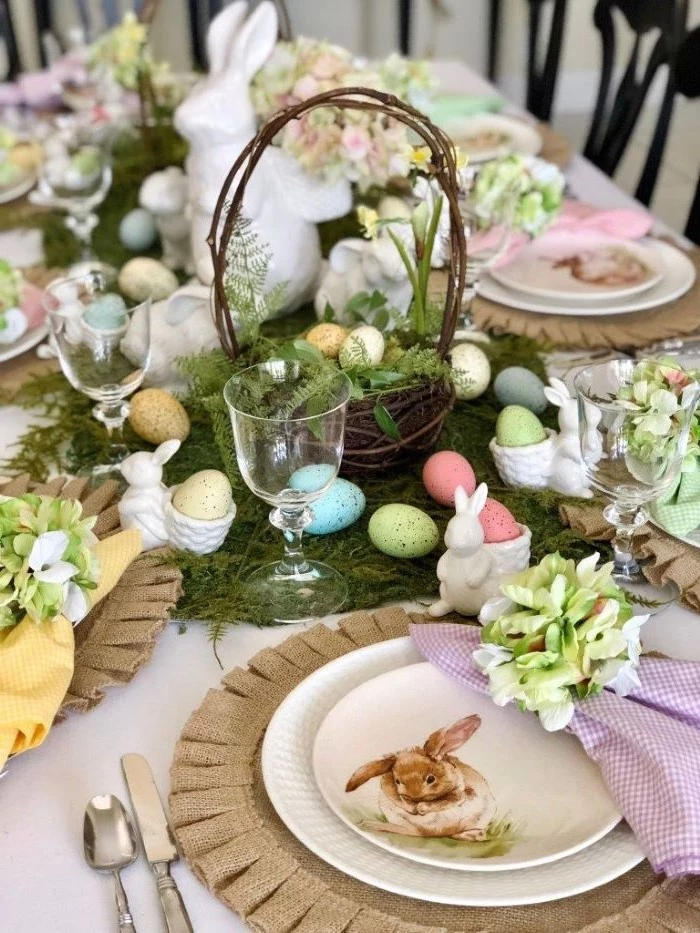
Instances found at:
x=157 y=838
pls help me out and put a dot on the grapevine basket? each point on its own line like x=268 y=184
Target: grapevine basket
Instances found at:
x=418 y=410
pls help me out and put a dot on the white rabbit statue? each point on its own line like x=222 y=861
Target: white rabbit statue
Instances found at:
x=566 y=472
x=165 y=194
x=470 y=571
x=143 y=504
x=218 y=120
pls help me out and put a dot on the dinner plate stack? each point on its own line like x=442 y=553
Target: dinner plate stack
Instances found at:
x=399 y=777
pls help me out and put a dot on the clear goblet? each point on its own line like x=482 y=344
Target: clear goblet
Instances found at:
x=75 y=176
x=621 y=463
x=90 y=323
x=288 y=423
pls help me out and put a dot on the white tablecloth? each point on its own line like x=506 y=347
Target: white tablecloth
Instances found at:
x=45 y=885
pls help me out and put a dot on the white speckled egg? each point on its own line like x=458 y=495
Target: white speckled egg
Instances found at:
x=204 y=495
x=137 y=230
x=338 y=508
x=517 y=385
x=143 y=277
x=471 y=371
x=403 y=531
x=363 y=347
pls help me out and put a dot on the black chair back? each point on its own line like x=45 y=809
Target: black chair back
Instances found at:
x=9 y=41
x=617 y=110
x=542 y=71
x=688 y=84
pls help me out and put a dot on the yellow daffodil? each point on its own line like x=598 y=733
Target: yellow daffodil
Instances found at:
x=421 y=157
x=369 y=220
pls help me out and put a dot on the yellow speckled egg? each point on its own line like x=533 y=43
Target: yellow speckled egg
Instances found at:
x=157 y=416
x=204 y=495
x=143 y=277
x=328 y=338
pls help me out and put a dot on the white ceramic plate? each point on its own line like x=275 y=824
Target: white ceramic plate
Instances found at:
x=581 y=267
x=523 y=786
x=30 y=338
x=291 y=786
x=12 y=192
x=679 y=277
x=492 y=135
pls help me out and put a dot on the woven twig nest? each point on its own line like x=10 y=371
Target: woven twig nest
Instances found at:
x=117 y=637
x=419 y=410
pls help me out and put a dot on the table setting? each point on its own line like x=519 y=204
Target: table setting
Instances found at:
x=381 y=312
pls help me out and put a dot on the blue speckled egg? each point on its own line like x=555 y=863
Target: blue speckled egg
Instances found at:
x=311 y=478
x=517 y=385
x=108 y=312
x=137 y=230
x=339 y=508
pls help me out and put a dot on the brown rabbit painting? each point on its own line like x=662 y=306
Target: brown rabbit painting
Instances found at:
x=427 y=792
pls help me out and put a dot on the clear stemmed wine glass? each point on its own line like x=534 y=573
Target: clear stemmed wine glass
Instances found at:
x=628 y=472
x=75 y=176
x=91 y=324
x=288 y=423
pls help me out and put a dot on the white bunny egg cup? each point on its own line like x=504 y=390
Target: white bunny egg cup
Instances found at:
x=556 y=462
x=197 y=535
x=217 y=119
x=470 y=571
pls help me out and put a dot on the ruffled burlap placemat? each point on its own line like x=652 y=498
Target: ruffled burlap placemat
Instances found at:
x=670 y=560
x=237 y=846
x=118 y=636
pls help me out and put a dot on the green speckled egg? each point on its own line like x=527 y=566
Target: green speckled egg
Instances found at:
x=403 y=531
x=517 y=385
x=517 y=427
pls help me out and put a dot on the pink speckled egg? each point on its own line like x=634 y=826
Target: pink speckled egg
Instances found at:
x=444 y=472
x=498 y=523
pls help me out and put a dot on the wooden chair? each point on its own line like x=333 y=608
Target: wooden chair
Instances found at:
x=688 y=84
x=202 y=12
x=617 y=110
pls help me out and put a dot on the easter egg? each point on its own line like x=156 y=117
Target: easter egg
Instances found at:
x=142 y=277
x=311 y=478
x=86 y=162
x=471 y=371
x=519 y=386
x=498 y=523
x=336 y=509
x=364 y=346
x=107 y=312
x=444 y=472
x=392 y=208
x=403 y=531
x=157 y=416
x=204 y=495
x=328 y=338
x=137 y=230
x=518 y=427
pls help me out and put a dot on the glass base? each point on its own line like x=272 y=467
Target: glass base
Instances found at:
x=99 y=474
x=303 y=597
x=646 y=598
x=86 y=266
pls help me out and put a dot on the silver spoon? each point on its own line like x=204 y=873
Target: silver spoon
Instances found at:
x=109 y=840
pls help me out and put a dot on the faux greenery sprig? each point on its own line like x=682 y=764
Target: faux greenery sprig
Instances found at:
x=562 y=632
x=46 y=559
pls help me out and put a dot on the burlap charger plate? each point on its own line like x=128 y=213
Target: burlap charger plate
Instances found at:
x=118 y=636
x=243 y=853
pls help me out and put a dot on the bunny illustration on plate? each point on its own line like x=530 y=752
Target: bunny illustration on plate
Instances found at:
x=218 y=119
x=427 y=791
x=472 y=571
x=143 y=504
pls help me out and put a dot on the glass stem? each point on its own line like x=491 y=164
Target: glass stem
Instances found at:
x=292 y=523
x=112 y=415
x=473 y=274
x=82 y=225
x=626 y=519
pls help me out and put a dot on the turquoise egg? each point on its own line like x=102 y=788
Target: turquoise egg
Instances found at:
x=108 y=312
x=517 y=385
x=403 y=531
x=339 y=508
x=311 y=478
x=137 y=230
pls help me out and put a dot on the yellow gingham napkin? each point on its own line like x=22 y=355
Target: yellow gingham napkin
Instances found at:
x=36 y=660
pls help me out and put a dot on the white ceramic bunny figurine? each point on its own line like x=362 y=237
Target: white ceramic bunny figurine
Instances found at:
x=471 y=571
x=165 y=195
x=143 y=504
x=218 y=120
x=567 y=474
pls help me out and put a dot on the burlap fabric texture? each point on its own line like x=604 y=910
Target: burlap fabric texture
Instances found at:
x=241 y=851
x=118 y=636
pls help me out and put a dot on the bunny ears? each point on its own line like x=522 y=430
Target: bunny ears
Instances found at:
x=471 y=504
x=557 y=392
x=234 y=41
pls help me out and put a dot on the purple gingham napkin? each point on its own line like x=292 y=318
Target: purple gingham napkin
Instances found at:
x=646 y=744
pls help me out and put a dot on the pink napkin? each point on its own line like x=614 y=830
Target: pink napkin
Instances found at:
x=32 y=304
